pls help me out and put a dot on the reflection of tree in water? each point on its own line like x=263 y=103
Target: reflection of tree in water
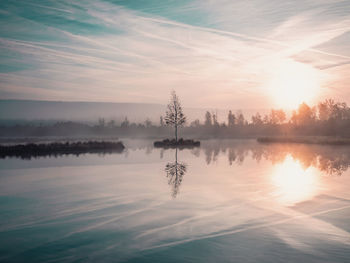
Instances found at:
x=211 y=155
x=196 y=151
x=333 y=167
x=332 y=160
x=231 y=156
x=175 y=172
x=161 y=154
x=235 y=155
x=149 y=150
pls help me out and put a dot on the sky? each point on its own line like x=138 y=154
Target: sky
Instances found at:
x=213 y=53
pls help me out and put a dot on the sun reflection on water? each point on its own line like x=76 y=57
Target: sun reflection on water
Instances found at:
x=293 y=183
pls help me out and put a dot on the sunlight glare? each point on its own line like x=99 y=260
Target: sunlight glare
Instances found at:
x=293 y=183
x=292 y=83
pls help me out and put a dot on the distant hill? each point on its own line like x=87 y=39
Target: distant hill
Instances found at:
x=91 y=111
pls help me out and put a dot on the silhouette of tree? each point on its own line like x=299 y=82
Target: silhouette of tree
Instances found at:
x=148 y=123
x=161 y=121
x=266 y=119
x=215 y=119
x=111 y=124
x=174 y=115
x=256 y=119
x=195 y=123
x=277 y=116
x=208 y=119
x=304 y=115
x=294 y=118
x=323 y=111
x=125 y=123
x=339 y=111
x=231 y=118
x=240 y=118
x=101 y=122
x=281 y=116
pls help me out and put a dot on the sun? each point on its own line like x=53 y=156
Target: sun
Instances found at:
x=292 y=83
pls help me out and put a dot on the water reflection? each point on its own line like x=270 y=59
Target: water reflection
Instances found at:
x=294 y=183
x=175 y=172
x=296 y=167
x=327 y=159
x=252 y=201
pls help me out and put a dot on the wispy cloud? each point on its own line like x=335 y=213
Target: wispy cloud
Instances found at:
x=96 y=50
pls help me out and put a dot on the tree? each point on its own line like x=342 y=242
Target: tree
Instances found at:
x=231 y=118
x=195 y=123
x=273 y=117
x=294 y=118
x=305 y=114
x=266 y=119
x=256 y=119
x=161 y=121
x=277 y=116
x=125 y=123
x=323 y=111
x=281 y=116
x=111 y=124
x=215 y=119
x=339 y=111
x=208 y=121
x=174 y=115
x=240 y=118
x=148 y=123
x=101 y=122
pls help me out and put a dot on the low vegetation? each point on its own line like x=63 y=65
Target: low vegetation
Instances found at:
x=181 y=143
x=27 y=151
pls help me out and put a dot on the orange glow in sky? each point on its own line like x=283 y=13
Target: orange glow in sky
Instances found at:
x=292 y=83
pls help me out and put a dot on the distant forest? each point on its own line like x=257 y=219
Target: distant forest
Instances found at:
x=327 y=118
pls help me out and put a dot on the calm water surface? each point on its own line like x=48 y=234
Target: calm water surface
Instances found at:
x=228 y=201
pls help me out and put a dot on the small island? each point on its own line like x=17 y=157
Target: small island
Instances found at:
x=175 y=117
x=181 y=143
x=27 y=151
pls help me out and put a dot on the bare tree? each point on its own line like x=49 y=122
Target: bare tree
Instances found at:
x=174 y=115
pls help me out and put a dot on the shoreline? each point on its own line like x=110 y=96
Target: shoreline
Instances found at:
x=322 y=140
x=30 y=150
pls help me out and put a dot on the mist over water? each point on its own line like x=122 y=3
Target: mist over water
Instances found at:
x=233 y=200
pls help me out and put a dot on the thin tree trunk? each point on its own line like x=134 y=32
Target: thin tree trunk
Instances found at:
x=175 y=107
x=176 y=133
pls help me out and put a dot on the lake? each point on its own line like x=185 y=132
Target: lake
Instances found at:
x=227 y=201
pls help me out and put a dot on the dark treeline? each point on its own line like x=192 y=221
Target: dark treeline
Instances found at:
x=328 y=118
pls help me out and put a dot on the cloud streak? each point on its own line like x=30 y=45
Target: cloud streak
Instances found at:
x=132 y=50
